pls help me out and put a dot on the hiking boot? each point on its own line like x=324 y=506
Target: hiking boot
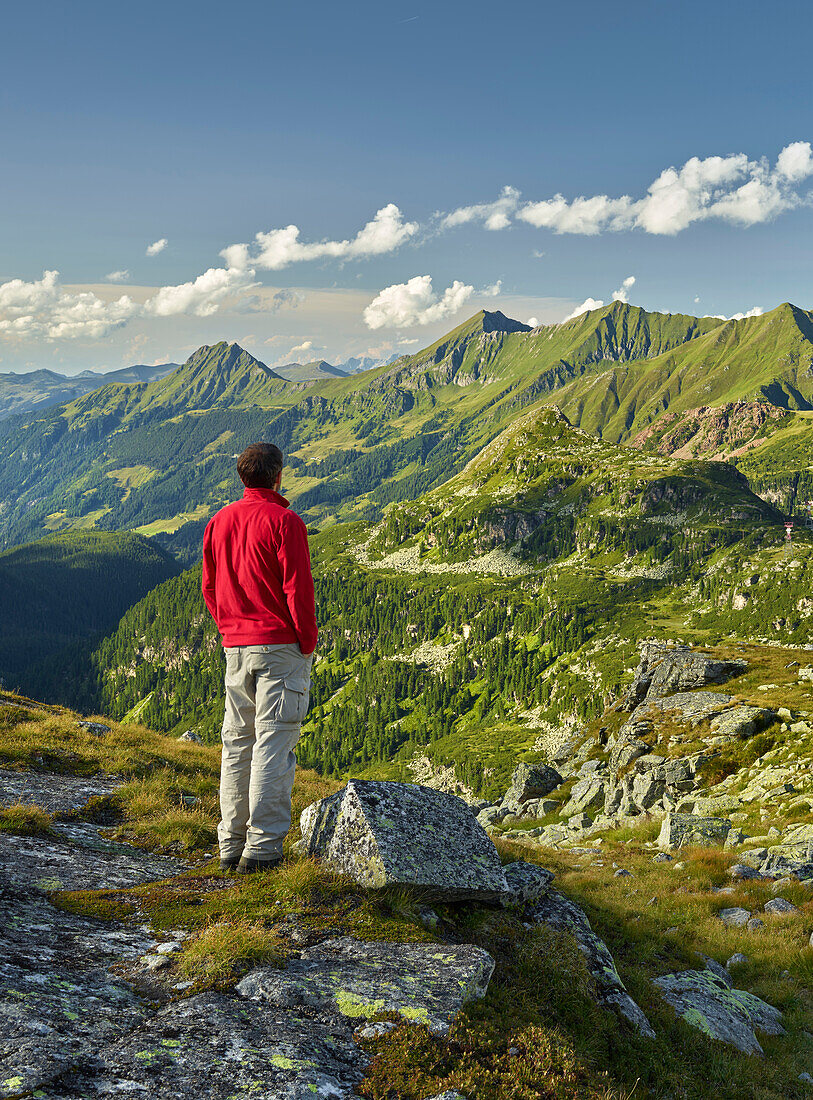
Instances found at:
x=230 y=864
x=252 y=866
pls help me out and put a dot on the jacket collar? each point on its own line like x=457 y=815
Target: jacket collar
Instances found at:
x=270 y=495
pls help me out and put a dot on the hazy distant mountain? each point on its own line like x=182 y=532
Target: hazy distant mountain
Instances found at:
x=310 y=372
x=355 y=364
x=40 y=388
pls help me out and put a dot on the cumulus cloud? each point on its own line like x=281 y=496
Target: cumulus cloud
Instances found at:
x=117 y=277
x=203 y=296
x=493 y=215
x=43 y=309
x=278 y=248
x=157 y=246
x=492 y=291
x=306 y=345
x=755 y=311
x=730 y=188
x=623 y=292
x=534 y=322
x=415 y=303
x=585 y=307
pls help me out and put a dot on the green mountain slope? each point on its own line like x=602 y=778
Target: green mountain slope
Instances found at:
x=465 y=624
x=768 y=357
x=67 y=588
x=158 y=458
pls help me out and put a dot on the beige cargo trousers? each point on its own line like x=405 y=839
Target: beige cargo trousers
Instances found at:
x=267 y=693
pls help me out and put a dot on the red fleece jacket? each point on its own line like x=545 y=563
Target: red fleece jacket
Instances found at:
x=257 y=580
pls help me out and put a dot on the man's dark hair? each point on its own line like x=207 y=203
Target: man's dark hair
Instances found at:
x=259 y=465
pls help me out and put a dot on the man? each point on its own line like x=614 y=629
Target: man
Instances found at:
x=258 y=586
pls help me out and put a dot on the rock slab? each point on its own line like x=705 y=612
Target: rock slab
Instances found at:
x=557 y=911
x=346 y=977
x=382 y=833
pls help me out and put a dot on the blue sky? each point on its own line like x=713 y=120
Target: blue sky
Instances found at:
x=206 y=124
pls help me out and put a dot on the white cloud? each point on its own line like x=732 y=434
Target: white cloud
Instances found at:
x=405 y=343
x=202 y=296
x=795 y=162
x=415 y=303
x=755 y=311
x=43 y=309
x=585 y=307
x=117 y=277
x=157 y=246
x=533 y=322
x=730 y=188
x=493 y=215
x=278 y=248
x=492 y=291
x=306 y=345
x=623 y=292
x=285 y=299
x=582 y=215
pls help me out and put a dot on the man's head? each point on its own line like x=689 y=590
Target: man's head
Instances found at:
x=260 y=466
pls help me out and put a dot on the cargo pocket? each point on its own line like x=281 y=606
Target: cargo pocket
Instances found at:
x=295 y=697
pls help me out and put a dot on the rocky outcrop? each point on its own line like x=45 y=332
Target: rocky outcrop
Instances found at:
x=383 y=833
x=666 y=670
x=707 y=1000
x=529 y=782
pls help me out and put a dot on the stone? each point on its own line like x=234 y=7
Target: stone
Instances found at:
x=156 y=962
x=527 y=883
x=734 y=918
x=646 y=791
x=622 y=872
x=585 y=795
x=558 y=912
x=741 y=871
x=190 y=735
x=345 y=977
x=678 y=830
x=778 y=906
x=531 y=781
x=781 y=884
x=735 y=838
x=98 y=729
x=739 y=722
x=382 y=833
x=662 y=857
x=491 y=815
x=168 y=948
x=626 y=751
x=666 y=669
x=706 y=1001
x=737 y=959
x=754 y=924
x=449 y=1094
x=579 y=822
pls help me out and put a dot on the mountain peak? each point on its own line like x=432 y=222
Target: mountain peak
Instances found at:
x=496 y=321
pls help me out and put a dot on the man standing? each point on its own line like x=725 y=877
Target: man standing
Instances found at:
x=258 y=586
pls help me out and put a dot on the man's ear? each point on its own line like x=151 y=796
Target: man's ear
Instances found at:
x=278 y=482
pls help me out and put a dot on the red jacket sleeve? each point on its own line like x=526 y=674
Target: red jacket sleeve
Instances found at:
x=208 y=583
x=297 y=581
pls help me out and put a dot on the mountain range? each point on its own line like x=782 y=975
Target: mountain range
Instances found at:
x=35 y=390
x=156 y=457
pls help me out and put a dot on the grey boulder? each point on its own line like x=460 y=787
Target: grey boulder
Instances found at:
x=382 y=833
x=678 y=830
x=706 y=1001
x=527 y=883
x=531 y=781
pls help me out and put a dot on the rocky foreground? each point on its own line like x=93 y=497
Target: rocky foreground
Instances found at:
x=98 y=1008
